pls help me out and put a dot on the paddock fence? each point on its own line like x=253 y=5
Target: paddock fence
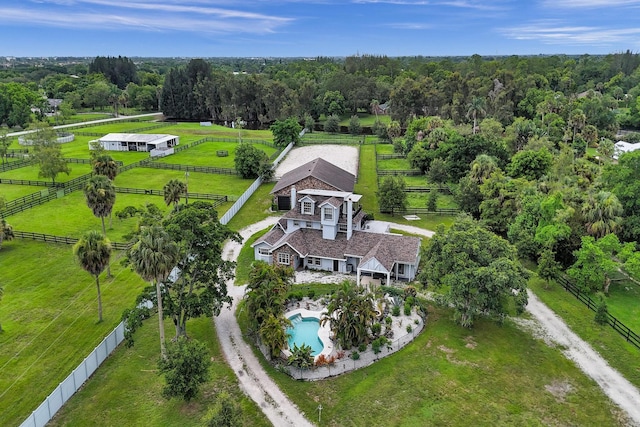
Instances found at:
x=65 y=240
x=189 y=168
x=31 y=182
x=15 y=165
x=399 y=172
x=63 y=392
x=424 y=211
x=626 y=332
x=50 y=406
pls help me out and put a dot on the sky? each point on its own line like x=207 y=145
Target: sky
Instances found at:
x=297 y=28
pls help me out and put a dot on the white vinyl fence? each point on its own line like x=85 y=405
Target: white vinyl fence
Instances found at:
x=47 y=409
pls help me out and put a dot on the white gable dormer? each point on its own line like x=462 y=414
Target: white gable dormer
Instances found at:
x=307 y=206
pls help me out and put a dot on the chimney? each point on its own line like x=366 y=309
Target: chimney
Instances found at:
x=349 y=217
x=293 y=197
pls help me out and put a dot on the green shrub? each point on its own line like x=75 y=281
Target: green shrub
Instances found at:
x=355 y=355
x=410 y=300
x=395 y=311
x=312 y=293
x=388 y=320
x=602 y=311
x=409 y=328
x=376 y=328
x=362 y=347
x=407 y=309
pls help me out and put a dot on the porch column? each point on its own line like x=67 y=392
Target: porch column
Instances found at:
x=388 y=278
x=358 y=277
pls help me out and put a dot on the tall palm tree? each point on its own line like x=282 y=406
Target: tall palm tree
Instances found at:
x=6 y=231
x=351 y=314
x=100 y=195
x=374 y=106
x=602 y=213
x=273 y=333
x=93 y=251
x=172 y=192
x=105 y=165
x=476 y=106
x=153 y=257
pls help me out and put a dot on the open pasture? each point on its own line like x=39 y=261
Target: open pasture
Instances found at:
x=206 y=155
x=31 y=173
x=49 y=314
x=12 y=192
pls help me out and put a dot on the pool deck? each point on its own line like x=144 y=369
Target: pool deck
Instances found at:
x=324 y=332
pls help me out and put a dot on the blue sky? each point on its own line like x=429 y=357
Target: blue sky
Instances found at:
x=208 y=28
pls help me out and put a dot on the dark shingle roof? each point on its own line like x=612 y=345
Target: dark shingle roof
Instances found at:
x=321 y=170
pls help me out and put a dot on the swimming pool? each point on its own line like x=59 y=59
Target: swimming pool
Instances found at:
x=304 y=330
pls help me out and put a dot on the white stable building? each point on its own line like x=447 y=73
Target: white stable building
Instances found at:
x=156 y=144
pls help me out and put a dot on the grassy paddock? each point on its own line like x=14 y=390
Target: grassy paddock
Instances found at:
x=49 y=314
x=394 y=164
x=623 y=302
x=75 y=217
x=219 y=131
x=31 y=173
x=246 y=258
x=12 y=192
x=126 y=389
x=621 y=355
x=205 y=155
x=419 y=200
x=491 y=375
x=149 y=178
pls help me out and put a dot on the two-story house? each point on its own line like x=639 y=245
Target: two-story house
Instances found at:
x=325 y=229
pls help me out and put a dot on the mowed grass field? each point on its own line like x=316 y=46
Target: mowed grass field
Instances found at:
x=12 y=192
x=205 y=155
x=49 y=308
x=49 y=314
x=31 y=173
x=451 y=376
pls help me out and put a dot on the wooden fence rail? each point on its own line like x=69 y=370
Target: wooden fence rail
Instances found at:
x=405 y=172
x=629 y=335
x=188 y=168
x=49 y=238
x=414 y=211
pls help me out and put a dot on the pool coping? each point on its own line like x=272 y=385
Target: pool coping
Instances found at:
x=324 y=332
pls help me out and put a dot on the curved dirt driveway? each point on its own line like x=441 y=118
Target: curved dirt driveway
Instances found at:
x=257 y=384
x=254 y=381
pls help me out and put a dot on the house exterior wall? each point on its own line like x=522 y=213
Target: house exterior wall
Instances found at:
x=293 y=256
x=258 y=256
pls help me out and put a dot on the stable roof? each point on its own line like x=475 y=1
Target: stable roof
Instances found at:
x=322 y=171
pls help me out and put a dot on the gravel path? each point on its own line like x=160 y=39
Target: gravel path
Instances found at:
x=254 y=381
x=614 y=385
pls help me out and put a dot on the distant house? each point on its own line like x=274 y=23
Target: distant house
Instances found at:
x=622 y=147
x=156 y=144
x=380 y=109
x=325 y=230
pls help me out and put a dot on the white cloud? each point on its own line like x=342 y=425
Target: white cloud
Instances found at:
x=554 y=32
x=408 y=26
x=228 y=21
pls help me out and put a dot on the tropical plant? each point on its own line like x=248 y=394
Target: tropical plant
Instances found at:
x=301 y=356
x=173 y=190
x=273 y=333
x=267 y=288
x=476 y=107
x=225 y=413
x=93 y=252
x=602 y=213
x=105 y=165
x=153 y=257
x=100 y=195
x=351 y=314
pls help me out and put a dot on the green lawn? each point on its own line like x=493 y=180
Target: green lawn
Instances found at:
x=246 y=258
x=419 y=200
x=49 y=314
x=31 y=173
x=618 y=353
x=148 y=178
x=255 y=209
x=205 y=155
x=624 y=303
x=219 y=132
x=490 y=375
x=416 y=181
x=384 y=148
x=394 y=164
x=125 y=391
x=122 y=127
x=73 y=217
x=12 y=192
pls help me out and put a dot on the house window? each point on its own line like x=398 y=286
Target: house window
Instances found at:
x=313 y=261
x=342 y=227
x=296 y=223
x=283 y=258
x=317 y=261
x=400 y=268
x=307 y=224
x=263 y=251
x=307 y=208
x=328 y=213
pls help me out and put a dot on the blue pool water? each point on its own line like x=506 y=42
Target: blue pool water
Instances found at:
x=305 y=331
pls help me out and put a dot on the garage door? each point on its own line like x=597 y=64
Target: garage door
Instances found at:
x=284 y=203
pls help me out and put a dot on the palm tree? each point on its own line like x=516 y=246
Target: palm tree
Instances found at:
x=475 y=107
x=153 y=257
x=100 y=195
x=273 y=333
x=482 y=167
x=172 y=192
x=6 y=231
x=374 y=106
x=602 y=213
x=93 y=251
x=577 y=120
x=105 y=165
x=351 y=314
